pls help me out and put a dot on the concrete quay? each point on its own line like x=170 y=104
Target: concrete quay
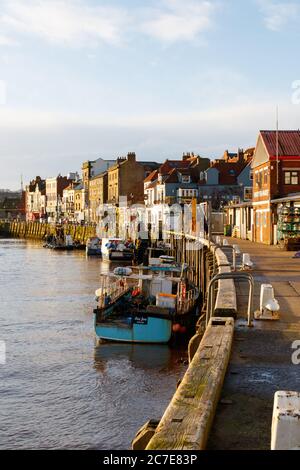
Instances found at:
x=261 y=360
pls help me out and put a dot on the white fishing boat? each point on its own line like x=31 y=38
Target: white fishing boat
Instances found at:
x=117 y=249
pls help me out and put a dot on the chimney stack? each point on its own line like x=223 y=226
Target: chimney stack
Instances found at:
x=131 y=157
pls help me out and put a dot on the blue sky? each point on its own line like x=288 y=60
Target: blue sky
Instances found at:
x=87 y=78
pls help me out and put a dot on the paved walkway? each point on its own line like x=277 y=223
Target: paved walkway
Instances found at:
x=261 y=359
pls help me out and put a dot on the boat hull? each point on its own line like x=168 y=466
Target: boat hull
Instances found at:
x=118 y=256
x=93 y=251
x=150 y=330
x=65 y=247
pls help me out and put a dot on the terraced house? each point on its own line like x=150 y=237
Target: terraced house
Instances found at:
x=174 y=182
x=126 y=179
x=91 y=169
x=54 y=194
x=228 y=179
x=125 y=182
x=98 y=193
x=35 y=197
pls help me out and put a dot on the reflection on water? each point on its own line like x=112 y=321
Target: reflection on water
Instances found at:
x=59 y=388
x=140 y=356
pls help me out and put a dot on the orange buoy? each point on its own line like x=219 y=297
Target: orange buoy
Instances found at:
x=176 y=328
x=136 y=292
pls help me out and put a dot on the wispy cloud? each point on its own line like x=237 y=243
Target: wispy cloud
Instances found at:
x=2 y=92
x=48 y=142
x=70 y=22
x=278 y=15
x=7 y=41
x=236 y=117
x=82 y=23
x=176 y=20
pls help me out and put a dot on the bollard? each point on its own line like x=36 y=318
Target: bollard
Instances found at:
x=286 y=421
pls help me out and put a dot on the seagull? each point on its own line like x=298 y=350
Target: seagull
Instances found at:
x=247 y=263
x=272 y=305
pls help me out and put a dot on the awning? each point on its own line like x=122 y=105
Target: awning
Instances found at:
x=291 y=198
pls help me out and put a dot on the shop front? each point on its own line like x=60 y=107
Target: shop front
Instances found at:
x=288 y=222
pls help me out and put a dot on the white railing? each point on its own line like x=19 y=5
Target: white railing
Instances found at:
x=112 y=291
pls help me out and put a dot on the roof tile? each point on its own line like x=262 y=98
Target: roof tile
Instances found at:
x=289 y=143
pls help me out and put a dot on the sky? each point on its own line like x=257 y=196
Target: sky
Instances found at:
x=82 y=79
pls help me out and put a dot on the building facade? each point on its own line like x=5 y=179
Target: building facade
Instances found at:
x=175 y=183
x=275 y=180
x=228 y=179
x=126 y=179
x=79 y=203
x=98 y=195
x=12 y=205
x=91 y=169
x=68 y=203
x=125 y=190
x=276 y=174
x=54 y=196
x=35 y=199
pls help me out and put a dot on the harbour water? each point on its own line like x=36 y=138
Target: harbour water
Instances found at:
x=59 y=389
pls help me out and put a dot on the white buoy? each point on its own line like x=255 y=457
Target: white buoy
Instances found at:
x=286 y=421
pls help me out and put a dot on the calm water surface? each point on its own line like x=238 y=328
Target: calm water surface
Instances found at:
x=59 y=388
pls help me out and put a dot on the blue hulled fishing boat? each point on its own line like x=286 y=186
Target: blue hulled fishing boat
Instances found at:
x=147 y=307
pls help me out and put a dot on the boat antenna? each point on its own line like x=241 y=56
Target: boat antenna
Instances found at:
x=277 y=147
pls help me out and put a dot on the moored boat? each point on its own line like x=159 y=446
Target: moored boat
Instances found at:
x=65 y=243
x=116 y=249
x=93 y=246
x=145 y=308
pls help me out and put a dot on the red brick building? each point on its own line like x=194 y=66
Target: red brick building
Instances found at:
x=276 y=173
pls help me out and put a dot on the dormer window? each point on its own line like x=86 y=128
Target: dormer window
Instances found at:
x=185 y=179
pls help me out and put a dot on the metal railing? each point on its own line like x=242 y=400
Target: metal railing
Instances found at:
x=111 y=290
x=235 y=276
